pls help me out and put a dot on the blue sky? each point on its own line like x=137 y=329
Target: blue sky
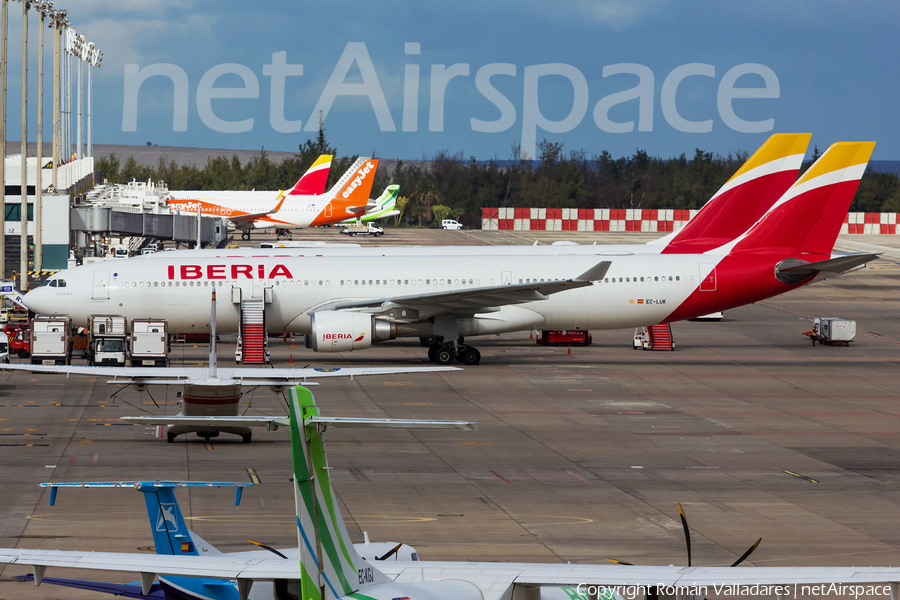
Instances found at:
x=833 y=64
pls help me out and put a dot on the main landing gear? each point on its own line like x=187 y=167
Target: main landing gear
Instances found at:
x=444 y=354
x=245 y=235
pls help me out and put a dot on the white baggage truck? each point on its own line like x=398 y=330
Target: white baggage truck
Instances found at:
x=149 y=343
x=50 y=340
x=108 y=343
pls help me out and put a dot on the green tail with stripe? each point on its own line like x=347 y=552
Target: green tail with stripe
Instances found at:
x=330 y=567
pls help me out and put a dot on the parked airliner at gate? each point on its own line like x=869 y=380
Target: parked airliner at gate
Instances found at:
x=348 y=303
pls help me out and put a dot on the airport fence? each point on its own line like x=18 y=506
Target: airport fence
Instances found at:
x=643 y=220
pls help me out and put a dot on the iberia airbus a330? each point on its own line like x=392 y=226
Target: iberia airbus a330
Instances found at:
x=349 y=302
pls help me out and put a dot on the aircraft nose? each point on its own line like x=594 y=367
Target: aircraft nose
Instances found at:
x=36 y=301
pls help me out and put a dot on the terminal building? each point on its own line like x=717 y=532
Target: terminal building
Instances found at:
x=82 y=217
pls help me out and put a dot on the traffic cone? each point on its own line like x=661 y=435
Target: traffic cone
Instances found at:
x=290 y=362
x=531 y=336
x=292 y=341
x=570 y=351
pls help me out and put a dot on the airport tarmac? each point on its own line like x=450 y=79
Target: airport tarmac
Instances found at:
x=579 y=456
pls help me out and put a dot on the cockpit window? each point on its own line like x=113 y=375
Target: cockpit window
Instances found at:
x=62 y=282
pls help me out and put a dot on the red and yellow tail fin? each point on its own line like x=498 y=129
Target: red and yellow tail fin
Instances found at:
x=745 y=197
x=808 y=217
x=313 y=181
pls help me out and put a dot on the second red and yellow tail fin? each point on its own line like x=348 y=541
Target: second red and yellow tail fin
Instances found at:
x=313 y=181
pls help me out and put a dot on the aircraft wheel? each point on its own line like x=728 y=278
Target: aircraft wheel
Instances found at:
x=468 y=355
x=170 y=437
x=245 y=236
x=246 y=438
x=432 y=351
x=23 y=353
x=443 y=355
x=432 y=340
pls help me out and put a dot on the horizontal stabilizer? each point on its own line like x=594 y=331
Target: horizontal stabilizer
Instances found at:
x=324 y=422
x=208 y=382
x=270 y=423
x=140 y=485
x=840 y=264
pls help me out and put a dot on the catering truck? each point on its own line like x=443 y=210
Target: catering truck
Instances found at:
x=50 y=340
x=149 y=343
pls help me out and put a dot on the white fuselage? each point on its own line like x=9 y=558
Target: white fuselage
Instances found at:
x=178 y=288
x=296 y=211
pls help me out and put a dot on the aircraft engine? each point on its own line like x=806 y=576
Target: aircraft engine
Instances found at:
x=335 y=331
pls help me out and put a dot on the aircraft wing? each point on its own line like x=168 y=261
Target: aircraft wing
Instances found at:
x=216 y=567
x=150 y=373
x=252 y=376
x=476 y=300
x=502 y=575
x=249 y=218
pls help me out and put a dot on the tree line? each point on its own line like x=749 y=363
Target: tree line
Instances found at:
x=460 y=187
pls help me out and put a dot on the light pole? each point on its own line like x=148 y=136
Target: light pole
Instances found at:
x=78 y=51
x=59 y=24
x=44 y=9
x=95 y=57
x=23 y=212
x=4 y=10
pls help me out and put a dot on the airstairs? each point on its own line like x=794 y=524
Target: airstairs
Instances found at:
x=253 y=341
x=655 y=337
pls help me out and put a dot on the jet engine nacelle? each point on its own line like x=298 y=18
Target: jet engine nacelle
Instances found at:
x=334 y=331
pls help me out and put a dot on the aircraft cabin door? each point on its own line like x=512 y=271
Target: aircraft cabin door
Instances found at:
x=258 y=289
x=708 y=278
x=506 y=278
x=101 y=286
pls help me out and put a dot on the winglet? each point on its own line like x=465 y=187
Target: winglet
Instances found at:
x=595 y=273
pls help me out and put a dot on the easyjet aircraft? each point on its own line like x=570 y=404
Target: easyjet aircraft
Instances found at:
x=297 y=208
x=348 y=303
x=330 y=566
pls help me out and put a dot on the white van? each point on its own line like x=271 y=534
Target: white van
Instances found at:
x=451 y=224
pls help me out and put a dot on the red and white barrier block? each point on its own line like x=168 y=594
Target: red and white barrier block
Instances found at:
x=644 y=220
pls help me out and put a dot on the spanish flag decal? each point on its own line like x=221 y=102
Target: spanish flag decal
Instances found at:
x=640 y=301
x=187 y=547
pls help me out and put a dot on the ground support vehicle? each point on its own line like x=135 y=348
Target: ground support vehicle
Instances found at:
x=149 y=343
x=50 y=343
